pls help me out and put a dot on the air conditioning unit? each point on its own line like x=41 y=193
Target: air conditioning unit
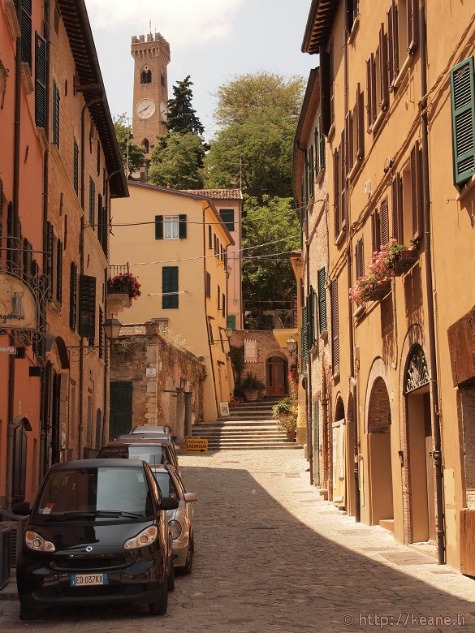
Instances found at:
x=4 y=555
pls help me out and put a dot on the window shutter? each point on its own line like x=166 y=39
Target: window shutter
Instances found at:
x=325 y=90
x=343 y=172
x=374 y=103
x=384 y=222
x=396 y=195
x=56 y=99
x=92 y=202
x=336 y=192
x=335 y=327
x=40 y=81
x=369 y=92
x=73 y=288
x=412 y=25
x=375 y=231
x=159 y=227
x=393 y=42
x=49 y=258
x=182 y=226
x=224 y=306
x=26 y=31
x=170 y=287
x=87 y=306
x=76 y=167
x=208 y=285
x=359 y=124
x=359 y=258
x=304 y=339
x=383 y=68
x=322 y=300
x=416 y=192
x=210 y=237
x=463 y=120
x=59 y=271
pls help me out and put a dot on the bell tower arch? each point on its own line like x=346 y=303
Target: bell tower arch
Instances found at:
x=151 y=55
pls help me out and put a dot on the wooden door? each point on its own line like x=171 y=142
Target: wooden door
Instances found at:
x=276 y=376
x=120 y=408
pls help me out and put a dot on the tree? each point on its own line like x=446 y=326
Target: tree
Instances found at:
x=258 y=116
x=181 y=116
x=271 y=231
x=133 y=155
x=176 y=161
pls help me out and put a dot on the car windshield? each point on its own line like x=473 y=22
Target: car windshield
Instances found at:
x=152 y=454
x=92 y=491
x=165 y=483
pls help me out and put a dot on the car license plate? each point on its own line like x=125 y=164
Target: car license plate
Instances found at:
x=86 y=580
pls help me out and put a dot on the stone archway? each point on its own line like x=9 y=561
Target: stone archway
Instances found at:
x=379 y=456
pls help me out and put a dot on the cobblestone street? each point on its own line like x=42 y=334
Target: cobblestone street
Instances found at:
x=272 y=556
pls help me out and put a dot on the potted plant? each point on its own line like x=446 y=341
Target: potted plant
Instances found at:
x=285 y=412
x=124 y=283
x=251 y=385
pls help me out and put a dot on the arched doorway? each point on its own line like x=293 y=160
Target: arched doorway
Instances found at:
x=276 y=376
x=420 y=465
x=379 y=455
x=338 y=455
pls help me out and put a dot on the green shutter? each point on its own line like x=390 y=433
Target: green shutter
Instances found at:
x=231 y=321
x=159 y=227
x=182 y=226
x=170 y=287
x=463 y=120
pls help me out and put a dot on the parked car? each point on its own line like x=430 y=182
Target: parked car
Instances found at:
x=149 y=430
x=154 y=451
x=180 y=519
x=97 y=534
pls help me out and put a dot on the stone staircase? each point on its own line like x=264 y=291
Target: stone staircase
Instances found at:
x=249 y=425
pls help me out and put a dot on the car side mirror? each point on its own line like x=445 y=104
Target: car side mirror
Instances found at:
x=168 y=503
x=191 y=496
x=22 y=508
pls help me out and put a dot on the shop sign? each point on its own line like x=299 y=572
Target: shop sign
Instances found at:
x=17 y=304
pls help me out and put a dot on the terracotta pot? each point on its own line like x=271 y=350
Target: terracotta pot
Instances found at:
x=291 y=436
x=250 y=395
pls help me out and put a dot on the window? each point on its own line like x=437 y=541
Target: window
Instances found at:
x=335 y=327
x=170 y=227
x=463 y=120
x=319 y=148
x=359 y=258
x=208 y=285
x=92 y=202
x=219 y=298
x=227 y=216
x=56 y=99
x=146 y=76
x=87 y=306
x=379 y=226
x=322 y=300
x=26 y=31
x=223 y=305
x=377 y=89
x=402 y=36
x=169 y=287
x=411 y=196
x=396 y=202
x=355 y=133
x=73 y=288
x=326 y=89
x=210 y=237
x=210 y=333
x=40 y=82
x=76 y=167
x=310 y=172
x=351 y=14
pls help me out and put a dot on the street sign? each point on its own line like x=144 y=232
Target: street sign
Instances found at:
x=7 y=349
x=196 y=444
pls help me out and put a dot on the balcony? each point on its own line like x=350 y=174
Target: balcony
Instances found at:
x=122 y=288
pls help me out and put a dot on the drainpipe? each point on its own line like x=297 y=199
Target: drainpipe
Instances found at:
x=434 y=391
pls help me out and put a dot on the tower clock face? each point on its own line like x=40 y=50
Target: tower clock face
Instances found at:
x=145 y=108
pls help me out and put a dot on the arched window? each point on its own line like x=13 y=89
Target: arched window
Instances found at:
x=146 y=145
x=146 y=76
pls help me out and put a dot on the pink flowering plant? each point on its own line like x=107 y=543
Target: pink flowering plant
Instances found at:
x=126 y=282
x=381 y=270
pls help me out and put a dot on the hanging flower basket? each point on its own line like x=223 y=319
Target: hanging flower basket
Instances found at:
x=125 y=283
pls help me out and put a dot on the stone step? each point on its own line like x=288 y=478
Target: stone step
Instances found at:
x=252 y=445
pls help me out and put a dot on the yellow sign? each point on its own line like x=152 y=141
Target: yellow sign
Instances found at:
x=196 y=444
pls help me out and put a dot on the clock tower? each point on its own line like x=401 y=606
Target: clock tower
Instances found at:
x=152 y=56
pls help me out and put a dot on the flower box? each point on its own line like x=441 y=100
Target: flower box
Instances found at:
x=379 y=291
x=405 y=262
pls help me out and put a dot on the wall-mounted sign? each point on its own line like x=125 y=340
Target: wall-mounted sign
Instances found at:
x=17 y=304
x=7 y=349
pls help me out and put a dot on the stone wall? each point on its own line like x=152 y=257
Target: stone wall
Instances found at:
x=158 y=371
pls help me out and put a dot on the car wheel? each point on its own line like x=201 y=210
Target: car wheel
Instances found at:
x=27 y=613
x=189 y=559
x=171 y=577
x=160 y=606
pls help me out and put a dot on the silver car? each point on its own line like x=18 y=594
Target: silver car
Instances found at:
x=180 y=520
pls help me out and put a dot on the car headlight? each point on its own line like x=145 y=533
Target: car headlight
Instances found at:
x=176 y=528
x=143 y=538
x=37 y=543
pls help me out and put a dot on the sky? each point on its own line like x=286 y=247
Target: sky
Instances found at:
x=213 y=41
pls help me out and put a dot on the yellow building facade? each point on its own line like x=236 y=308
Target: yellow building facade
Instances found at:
x=176 y=244
x=397 y=114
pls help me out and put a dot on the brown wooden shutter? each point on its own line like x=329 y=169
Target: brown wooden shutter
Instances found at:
x=360 y=131
x=335 y=327
x=73 y=288
x=359 y=258
x=374 y=101
x=383 y=68
x=369 y=106
x=343 y=171
x=416 y=192
x=375 y=231
x=87 y=306
x=49 y=258
x=396 y=202
x=384 y=222
x=336 y=192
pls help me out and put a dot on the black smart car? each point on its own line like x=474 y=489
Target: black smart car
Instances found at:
x=97 y=534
